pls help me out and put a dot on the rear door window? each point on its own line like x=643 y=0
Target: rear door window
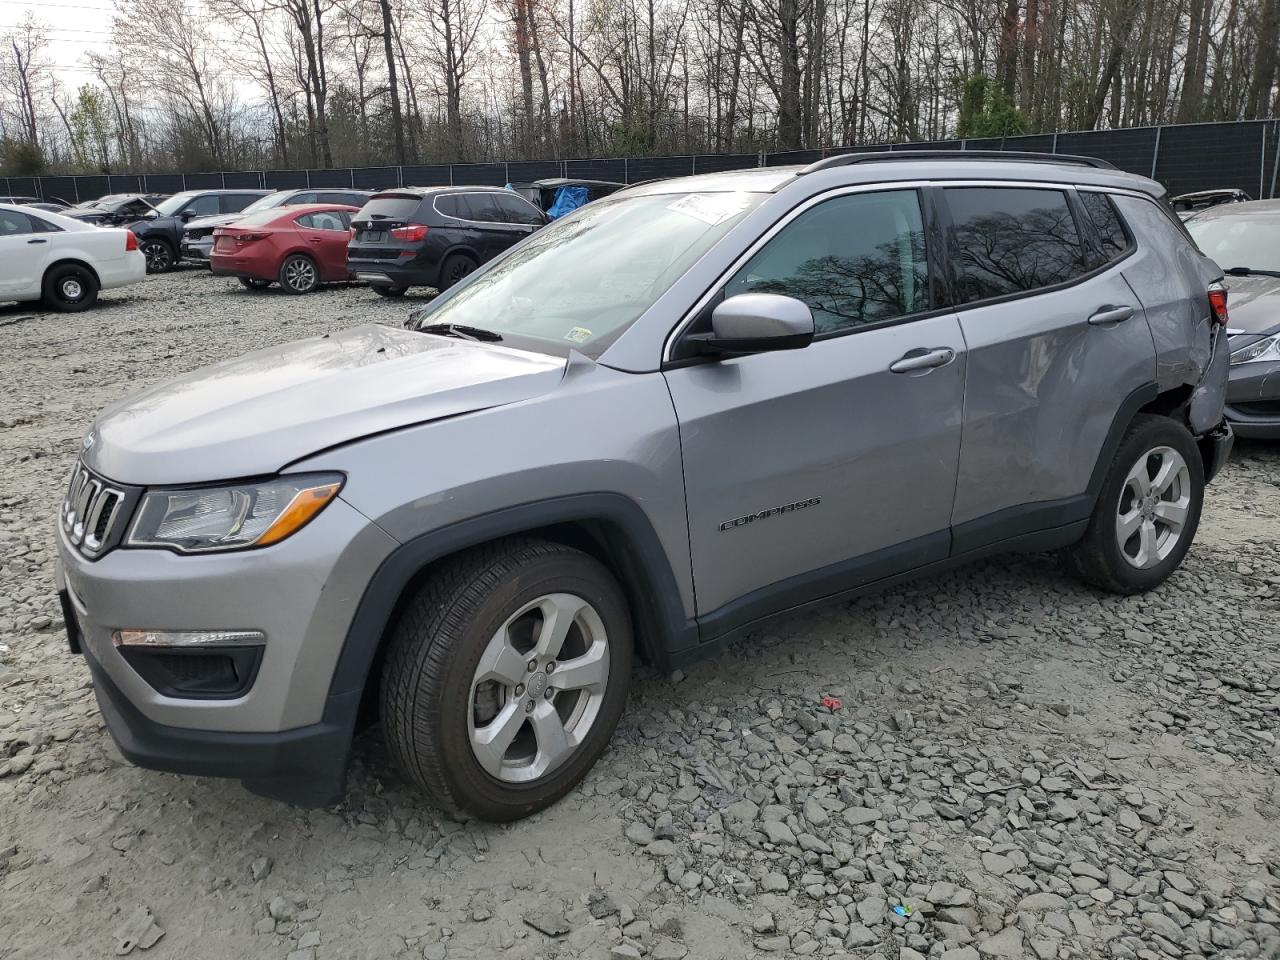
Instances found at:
x=1012 y=240
x=485 y=208
x=323 y=220
x=13 y=223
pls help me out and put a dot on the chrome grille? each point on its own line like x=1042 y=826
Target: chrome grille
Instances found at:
x=91 y=511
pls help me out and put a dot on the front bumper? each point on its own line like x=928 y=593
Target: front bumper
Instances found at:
x=1253 y=400
x=197 y=249
x=285 y=735
x=306 y=766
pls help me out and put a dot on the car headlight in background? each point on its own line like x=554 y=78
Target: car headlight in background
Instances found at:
x=231 y=517
x=1268 y=348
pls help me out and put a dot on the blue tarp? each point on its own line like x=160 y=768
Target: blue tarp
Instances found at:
x=567 y=200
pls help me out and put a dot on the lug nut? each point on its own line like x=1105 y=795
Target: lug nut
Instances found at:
x=519 y=689
x=551 y=665
x=528 y=706
x=551 y=692
x=533 y=665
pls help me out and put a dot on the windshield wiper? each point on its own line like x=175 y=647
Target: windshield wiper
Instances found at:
x=461 y=331
x=1250 y=272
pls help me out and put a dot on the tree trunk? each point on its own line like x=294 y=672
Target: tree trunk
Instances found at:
x=388 y=50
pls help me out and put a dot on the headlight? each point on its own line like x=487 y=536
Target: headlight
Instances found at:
x=231 y=517
x=1268 y=348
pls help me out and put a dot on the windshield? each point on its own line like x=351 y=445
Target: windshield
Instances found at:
x=168 y=208
x=270 y=201
x=1239 y=240
x=583 y=280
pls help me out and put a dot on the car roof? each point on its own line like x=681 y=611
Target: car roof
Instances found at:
x=298 y=209
x=906 y=165
x=49 y=216
x=550 y=182
x=431 y=191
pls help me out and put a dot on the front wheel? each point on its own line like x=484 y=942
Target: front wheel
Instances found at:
x=254 y=283
x=1147 y=512
x=455 y=267
x=390 y=293
x=506 y=676
x=159 y=256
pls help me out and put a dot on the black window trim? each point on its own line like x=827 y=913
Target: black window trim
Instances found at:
x=937 y=306
x=1073 y=204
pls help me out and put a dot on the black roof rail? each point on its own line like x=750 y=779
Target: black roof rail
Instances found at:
x=1012 y=156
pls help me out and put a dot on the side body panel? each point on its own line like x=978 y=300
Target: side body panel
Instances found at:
x=1043 y=388
x=829 y=423
x=600 y=431
x=1171 y=279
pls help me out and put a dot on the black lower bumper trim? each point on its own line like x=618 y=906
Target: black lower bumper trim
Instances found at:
x=1215 y=448
x=305 y=766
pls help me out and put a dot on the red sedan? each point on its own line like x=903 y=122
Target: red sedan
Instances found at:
x=298 y=247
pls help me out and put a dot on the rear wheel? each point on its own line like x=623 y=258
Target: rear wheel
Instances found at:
x=299 y=274
x=506 y=676
x=389 y=292
x=254 y=283
x=70 y=288
x=1148 y=511
x=159 y=255
x=455 y=267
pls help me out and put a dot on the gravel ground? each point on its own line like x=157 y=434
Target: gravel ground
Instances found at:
x=1018 y=766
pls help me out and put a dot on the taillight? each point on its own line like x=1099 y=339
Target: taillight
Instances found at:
x=1218 y=303
x=249 y=237
x=412 y=233
x=130 y=241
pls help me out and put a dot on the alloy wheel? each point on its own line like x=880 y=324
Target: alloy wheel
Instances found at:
x=538 y=688
x=71 y=289
x=1155 y=501
x=300 y=274
x=158 y=256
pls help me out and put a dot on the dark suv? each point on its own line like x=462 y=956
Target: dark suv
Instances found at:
x=435 y=236
x=160 y=232
x=197 y=238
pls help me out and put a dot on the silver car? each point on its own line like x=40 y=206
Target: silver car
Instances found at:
x=670 y=415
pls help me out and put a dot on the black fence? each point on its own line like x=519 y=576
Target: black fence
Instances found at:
x=1186 y=157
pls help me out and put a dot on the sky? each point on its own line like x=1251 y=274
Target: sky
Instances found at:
x=75 y=28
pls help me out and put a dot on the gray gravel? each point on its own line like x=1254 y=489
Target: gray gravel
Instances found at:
x=1018 y=767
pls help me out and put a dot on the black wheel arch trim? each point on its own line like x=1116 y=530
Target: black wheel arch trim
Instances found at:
x=661 y=623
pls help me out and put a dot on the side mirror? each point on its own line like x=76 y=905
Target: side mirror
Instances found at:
x=185 y=215
x=757 y=323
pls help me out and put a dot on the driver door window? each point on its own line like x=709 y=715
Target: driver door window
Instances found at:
x=201 y=207
x=857 y=259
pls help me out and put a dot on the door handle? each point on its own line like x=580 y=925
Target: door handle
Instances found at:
x=922 y=359
x=1109 y=314
x=38 y=241
x=316 y=239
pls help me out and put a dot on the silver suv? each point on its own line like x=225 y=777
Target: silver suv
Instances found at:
x=664 y=418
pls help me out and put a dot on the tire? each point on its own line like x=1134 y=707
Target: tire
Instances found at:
x=390 y=293
x=1153 y=543
x=435 y=703
x=253 y=283
x=70 y=288
x=455 y=267
x=160 y=256
x=299 y=274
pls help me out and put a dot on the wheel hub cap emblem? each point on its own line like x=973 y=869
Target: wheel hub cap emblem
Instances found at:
x=537 y=684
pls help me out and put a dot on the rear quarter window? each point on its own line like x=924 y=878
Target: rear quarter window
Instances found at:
x=1112 y=235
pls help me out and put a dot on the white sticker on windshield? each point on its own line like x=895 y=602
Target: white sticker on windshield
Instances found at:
x=710 y=208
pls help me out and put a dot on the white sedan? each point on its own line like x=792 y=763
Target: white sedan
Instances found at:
x=63 y=262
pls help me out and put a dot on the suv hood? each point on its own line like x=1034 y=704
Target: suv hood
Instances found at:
x=208 y=223
x=258 y=413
